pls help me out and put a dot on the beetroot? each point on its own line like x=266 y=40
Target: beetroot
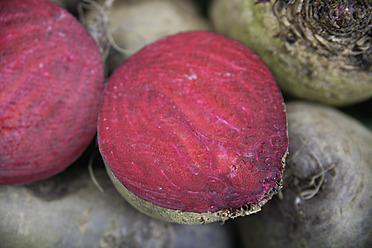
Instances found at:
x=68 y=210
x=326 y=200
x=193 y=129
x=51 y=80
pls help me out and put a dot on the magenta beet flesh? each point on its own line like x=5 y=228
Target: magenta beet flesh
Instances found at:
x=194 y=122
x=51 y=80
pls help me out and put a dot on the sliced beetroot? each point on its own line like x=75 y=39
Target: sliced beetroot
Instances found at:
x=51 y=80
x=195 y=122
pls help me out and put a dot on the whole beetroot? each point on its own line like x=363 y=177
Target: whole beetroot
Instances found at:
x=193 y=129
x=51 y=80
x=125 y=26
x=327 y=190
x=317 y=50
x=68 y=210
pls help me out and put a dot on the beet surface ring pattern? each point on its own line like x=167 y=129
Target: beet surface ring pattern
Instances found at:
x=195 y=122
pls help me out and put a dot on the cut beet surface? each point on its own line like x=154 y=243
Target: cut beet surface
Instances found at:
x=195 y=122
x=51 y=81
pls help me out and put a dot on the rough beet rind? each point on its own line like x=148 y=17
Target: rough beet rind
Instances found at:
x=194 y=122
x=51 y=80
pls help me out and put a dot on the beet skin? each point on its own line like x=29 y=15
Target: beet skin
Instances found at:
x=51 y=80
x=195 y=122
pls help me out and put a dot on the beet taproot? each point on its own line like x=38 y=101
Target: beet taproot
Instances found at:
x=51 y=82
x=193 y=129
x=327 y=185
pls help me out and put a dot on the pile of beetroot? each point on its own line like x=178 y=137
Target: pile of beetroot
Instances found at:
x=191 y=129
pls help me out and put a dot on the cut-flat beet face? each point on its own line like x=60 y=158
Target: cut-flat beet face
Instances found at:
x=194 y=122
x=51 y=80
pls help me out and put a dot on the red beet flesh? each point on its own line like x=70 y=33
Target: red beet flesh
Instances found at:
x=194 y=122
x=51 y=80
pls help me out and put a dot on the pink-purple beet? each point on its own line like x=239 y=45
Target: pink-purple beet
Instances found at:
x=193 y=129
x=51 y=80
